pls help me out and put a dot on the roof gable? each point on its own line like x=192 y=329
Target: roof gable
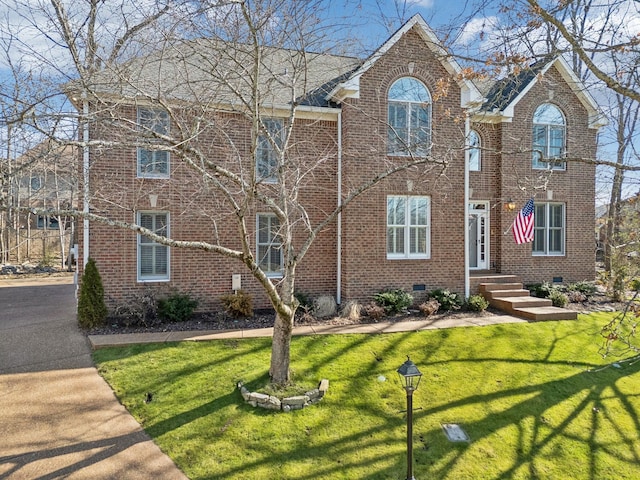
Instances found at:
x=350 y=86
x=505 y=94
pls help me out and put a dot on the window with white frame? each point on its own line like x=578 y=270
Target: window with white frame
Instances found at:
x=268 y=149
x=408 y=227
x=153 y=257
x=409 y=128
x=549 y=229
x=153 y=162
x=474 y=152
x=548 y=137
x=269 y=244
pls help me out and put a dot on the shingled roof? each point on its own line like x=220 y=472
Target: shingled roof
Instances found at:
x=504 y=91
x=210 y=71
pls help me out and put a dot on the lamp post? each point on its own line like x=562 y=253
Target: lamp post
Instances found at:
x=410 y=378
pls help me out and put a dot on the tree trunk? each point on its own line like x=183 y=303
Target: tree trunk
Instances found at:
x=280 y=348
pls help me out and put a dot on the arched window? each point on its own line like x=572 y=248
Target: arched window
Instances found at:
x=474 y=151
x=409 y=118
x=548 y=137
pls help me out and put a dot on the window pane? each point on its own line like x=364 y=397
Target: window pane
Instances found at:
x=539 y=215
x=556 y=215
x=418 y=214
x=555 y=241
x=267 y=149
x=418 y=240
x=474 y=151
x=146 y=260
x=410 y=90
x=395 y=240
x=395 y=210
x=548 y=114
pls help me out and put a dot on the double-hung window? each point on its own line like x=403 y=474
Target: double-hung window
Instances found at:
x=549 y=229
x=548 y=138
x=409 y=116
x=153 y=161
x=408 y=227
x=153 y=257
x=269 y=244
x=268 y=149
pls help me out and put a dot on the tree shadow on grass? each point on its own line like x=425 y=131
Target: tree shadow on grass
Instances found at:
x=595 y=389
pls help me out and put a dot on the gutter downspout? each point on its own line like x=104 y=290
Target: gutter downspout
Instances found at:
x=467 y=280
x=339 y=220
x=85 y=178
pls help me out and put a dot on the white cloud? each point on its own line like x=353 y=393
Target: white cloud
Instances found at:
x=478 y=30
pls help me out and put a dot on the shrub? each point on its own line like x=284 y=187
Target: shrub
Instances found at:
x=238 y=304
x=634 y=284
x=305 y=303
x=586 y=288
x=178 y=307
x=374 y=311
x=477 y=303
x=142 y=310
x=393 y=301
x=92 y=312
x=540 y=290
x=558 y=299
x=429 y=308
x=576 y=297
x=448 y=300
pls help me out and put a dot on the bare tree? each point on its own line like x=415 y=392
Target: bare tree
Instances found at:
x=206 y=69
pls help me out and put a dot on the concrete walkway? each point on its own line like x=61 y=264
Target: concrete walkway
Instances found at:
x=102 y=341
x=58 y=417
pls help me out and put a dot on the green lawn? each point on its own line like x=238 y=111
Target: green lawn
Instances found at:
x=530 y=396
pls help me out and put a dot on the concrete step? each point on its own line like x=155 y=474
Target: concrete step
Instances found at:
x=509 y=304
x=490 y=287
x=491 y=294
x=545 y=313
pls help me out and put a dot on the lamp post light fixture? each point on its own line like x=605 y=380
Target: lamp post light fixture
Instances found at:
x=410 y=378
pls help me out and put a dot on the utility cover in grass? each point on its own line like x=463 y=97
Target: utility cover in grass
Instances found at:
x=455 y=433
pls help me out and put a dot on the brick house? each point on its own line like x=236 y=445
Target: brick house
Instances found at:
x=440 y=224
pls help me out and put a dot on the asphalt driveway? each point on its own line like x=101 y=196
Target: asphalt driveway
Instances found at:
x=58 y=417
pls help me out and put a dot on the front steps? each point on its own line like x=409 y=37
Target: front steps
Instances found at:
x=506 y=293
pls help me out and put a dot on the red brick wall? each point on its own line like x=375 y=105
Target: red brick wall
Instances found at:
x=365 y=268
x=574 y=187
x=199 y=213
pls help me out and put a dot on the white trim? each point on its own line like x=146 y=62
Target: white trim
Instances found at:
x=407 y=255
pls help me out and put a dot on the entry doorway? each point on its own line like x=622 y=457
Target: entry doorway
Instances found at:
x=478 y=238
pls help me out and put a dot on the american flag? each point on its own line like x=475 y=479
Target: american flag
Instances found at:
x=523 y=224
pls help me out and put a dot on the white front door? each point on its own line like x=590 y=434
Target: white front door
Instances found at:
x=478 y=239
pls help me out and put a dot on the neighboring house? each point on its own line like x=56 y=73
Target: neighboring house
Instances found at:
x=423 y=228
x=42 y=180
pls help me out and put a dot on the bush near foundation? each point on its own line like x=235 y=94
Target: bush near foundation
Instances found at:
x=92 y=311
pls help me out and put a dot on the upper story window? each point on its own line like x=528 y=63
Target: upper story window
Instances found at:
x=268 y=149
x=548 y=137
x=269 y=244
x=408 y=227
x=152 y=162
x=153 y=257
x=409 y=129
x=475 y=164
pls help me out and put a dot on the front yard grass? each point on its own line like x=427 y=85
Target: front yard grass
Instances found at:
x=531 y=397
